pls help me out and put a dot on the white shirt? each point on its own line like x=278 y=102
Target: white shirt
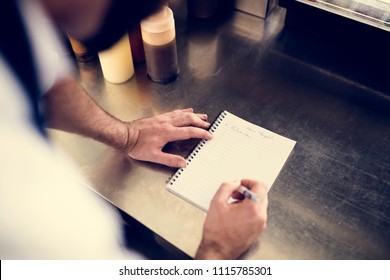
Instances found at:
x=45 y=213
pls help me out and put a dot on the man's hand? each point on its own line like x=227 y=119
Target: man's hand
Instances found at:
x=148 y=136
x=231 y=228
x=68 y=107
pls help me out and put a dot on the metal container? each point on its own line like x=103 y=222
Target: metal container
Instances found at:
x=259 y=8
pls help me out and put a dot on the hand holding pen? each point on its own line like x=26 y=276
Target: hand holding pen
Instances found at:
x=231 y=228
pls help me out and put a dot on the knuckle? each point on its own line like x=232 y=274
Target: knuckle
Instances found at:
x=192 y=118
x=153 y=153
x=262 y=220
x=187 y=132
x=198 y=132
x=176 y=112
x=256 y=213
x=175 y=161
x=262 y=185
x=192 y=130
x=225 y=184
x=165 y=127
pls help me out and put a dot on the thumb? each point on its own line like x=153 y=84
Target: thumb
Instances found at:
x=170 y=160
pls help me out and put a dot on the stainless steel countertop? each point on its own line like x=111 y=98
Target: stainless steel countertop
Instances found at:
x=331 y=200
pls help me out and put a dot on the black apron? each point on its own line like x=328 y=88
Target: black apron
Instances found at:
x=16 y=50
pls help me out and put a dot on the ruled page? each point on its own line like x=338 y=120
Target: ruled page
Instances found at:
x=239 y=149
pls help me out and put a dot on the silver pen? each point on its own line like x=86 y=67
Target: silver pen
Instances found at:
x=248 y=194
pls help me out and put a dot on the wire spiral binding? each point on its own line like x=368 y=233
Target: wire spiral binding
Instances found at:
x=197 y=149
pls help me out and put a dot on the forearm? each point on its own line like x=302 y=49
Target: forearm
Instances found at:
x=68 y=107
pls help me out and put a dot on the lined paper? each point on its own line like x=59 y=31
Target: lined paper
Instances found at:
x=239 y=149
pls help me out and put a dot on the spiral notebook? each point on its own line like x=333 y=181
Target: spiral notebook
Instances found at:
x=239 y=149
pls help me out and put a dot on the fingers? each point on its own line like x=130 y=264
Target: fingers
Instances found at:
x=186 y=117
x=257 y=187
x=229 y=189
x=261 y=190
x=184 y=133
x=202 y=116
x=190 y=110
x=191 y=119
x=152 y=134
x=170 y=160
x=224 y=193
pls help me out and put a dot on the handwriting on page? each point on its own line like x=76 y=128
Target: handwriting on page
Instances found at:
x=239 y=149
x=249 y=132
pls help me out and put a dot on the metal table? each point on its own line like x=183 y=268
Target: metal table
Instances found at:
x=331 y=200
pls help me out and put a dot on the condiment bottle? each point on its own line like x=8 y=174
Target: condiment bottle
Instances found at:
x=202 y=8
x=137 y=46
x=81 y=52
x=117 y=62
x=159 y=37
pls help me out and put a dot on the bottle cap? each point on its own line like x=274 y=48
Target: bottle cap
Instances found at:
x=160 y=21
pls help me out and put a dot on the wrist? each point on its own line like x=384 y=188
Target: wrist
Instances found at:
x=210 y=251
x=131 y=137
x=114 y=133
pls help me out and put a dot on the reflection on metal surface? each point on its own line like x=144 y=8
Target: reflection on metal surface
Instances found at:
x=202 y=44
x=331 y=199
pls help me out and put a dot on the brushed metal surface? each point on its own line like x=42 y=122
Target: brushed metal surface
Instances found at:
x=331 y=200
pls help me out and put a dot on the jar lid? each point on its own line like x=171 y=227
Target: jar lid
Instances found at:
x=160 y=21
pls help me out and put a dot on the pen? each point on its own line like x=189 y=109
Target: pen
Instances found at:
x=249 y=194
